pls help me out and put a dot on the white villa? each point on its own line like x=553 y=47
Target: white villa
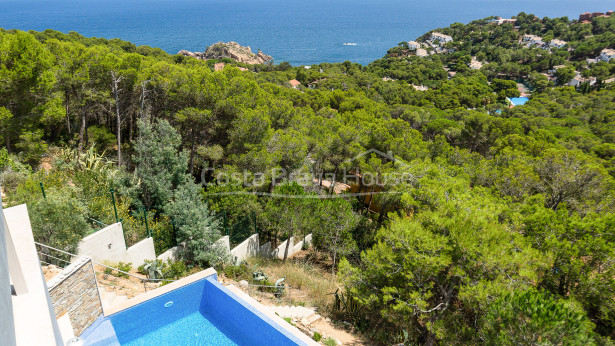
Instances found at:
x=475 y=64
x=441 y=38
x=607 y=55
x=421 y=52
x=413 y=45
x=533 y=40
x=557 y=43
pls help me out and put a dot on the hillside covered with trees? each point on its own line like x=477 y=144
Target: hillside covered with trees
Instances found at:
x=488 y=223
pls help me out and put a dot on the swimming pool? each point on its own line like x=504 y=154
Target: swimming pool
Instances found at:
x=518 y=101
x=200 y=313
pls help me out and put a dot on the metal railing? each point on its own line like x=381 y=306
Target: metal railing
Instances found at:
x=144 y=281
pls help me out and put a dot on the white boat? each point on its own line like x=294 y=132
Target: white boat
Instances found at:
x=349 y=44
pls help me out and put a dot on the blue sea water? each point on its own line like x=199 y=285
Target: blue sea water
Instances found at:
x=300 y=32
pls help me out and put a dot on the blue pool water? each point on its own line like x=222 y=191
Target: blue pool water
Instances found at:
x=201 y=313
x=519 y=101
x=194 y=329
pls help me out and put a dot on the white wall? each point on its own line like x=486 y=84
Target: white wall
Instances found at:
x=172 y=254
x=7 y=326
x=265 y=249
x=248 y=248
x=279 y=251
x=141 y=251
x=109 y=245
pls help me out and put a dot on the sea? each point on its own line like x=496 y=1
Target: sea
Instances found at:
x=301 y=32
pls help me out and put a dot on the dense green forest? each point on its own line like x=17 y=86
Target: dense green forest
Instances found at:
x=497 y=228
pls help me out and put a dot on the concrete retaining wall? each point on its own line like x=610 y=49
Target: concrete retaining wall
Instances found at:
x=299 y=246
x=74 y=292
x=141 y=251
x=279 y=251
x=109 y=245
x=173 y=254
x=248 y=248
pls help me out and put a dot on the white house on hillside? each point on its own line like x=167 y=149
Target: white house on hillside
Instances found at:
x=413 y=45
x=436 y=36
x=531 y=40
x=557 y=43
x=607 y=55
x=475 y=64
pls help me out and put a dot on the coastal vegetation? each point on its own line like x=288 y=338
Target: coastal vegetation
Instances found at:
x=497 y=227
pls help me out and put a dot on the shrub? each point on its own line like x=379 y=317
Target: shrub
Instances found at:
x=58 y=221
x=535 y=317
x=101 y=136
x=126 y=267
x=153 y=269
x=108 y=271
x=174 y=269
x=317 y=336
x=236 y=271
x=330 y=342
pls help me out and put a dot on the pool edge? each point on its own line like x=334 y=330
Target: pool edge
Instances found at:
x=161 y=290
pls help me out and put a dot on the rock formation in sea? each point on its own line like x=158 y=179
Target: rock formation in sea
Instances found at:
x=231 y=50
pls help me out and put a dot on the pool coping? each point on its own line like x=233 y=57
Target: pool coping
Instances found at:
x=257 y=307
x=161 y=290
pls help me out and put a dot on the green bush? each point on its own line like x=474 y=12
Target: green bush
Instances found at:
x=58 y=220
x=100 y=135
x=317 y=336
x=174 y=269
x=237 y=271
x=108 y=271
x=330 y=342
x=535 y=317
x=126 y=267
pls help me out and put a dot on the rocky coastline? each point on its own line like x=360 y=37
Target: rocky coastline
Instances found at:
x=230 y=50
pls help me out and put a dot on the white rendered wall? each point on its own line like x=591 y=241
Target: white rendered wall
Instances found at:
x=248 y=248
x=109 y=245
x=279 y=251
x=7 y=325
x=141 y=251
x=33 y=314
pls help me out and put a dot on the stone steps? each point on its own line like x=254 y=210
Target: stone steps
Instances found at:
x=110 y=299
x=296 y=312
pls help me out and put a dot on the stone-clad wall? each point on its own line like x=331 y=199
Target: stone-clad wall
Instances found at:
x=74 y=291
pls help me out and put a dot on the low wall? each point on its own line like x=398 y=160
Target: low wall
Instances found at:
x=141 y=251
x=74 y=292
x=299 y=246
x=266 y=251
x=172 y=254
x=248 y=248
x=279 y=251
x=109 y=245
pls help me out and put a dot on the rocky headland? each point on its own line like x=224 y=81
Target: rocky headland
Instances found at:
x=231 y=50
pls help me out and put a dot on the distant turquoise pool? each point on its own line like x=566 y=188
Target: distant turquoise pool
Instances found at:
x=518 y=101
x=200 y=313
